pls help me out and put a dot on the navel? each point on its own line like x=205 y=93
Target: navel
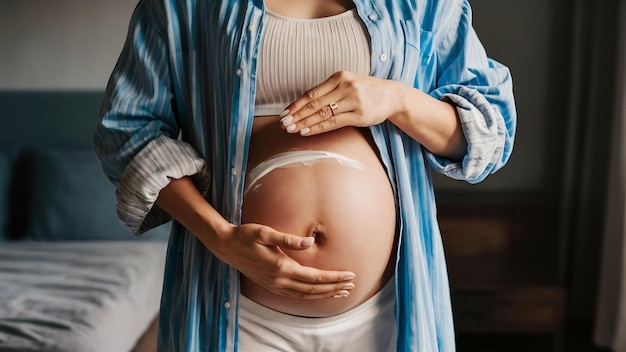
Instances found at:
x=318 y=231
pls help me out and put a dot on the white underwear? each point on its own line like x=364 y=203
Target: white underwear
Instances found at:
x=370 y=327
x=295 y=158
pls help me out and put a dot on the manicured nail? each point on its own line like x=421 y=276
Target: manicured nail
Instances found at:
x=284 y=113
x=286 y=121
x=304 y=131
x=307 y=242
x=342 y=294
x=291 y=128
x=348 y=286
x=349 y=277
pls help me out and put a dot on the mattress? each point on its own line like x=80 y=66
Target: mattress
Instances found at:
x=78 y=296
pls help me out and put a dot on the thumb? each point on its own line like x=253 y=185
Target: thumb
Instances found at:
x=288 y=241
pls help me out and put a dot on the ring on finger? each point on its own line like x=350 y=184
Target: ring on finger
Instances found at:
x=333 y=106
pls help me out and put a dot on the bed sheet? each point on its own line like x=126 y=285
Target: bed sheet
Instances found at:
x=78 y=296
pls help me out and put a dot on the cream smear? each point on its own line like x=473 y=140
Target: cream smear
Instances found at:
x=296 y=158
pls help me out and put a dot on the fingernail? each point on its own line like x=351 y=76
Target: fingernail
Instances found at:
x=284 y=113
x=307 y=242
x=286 y=121
x=342 y=294
x=349 y=277
x=291 y=128
x=305 y=131
x=348 y=286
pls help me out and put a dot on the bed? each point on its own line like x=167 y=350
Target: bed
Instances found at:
x=78 y=296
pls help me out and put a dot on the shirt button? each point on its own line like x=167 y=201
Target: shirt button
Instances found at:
x=373 y=17
x=251 y=28
x=227 y=305
x=383 y=57
x=233 y=171
x=238 y=72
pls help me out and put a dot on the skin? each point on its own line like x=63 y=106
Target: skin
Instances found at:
x=258 y=251
x=350 y=211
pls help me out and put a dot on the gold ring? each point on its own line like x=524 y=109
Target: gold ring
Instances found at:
x=333 y=106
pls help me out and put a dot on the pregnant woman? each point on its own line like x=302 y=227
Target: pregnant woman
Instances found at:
x=331 y=186
x=290 y=143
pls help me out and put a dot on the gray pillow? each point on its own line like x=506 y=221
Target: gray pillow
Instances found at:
x=73 y=200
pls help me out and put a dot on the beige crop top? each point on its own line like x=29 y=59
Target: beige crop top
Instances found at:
x=297 y=54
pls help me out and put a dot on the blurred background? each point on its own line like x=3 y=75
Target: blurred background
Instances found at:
x=535 y=252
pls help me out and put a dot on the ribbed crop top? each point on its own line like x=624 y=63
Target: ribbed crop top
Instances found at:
x=297 y=54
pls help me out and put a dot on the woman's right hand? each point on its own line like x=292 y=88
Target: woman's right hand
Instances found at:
x=257 y=252
x=254 y=250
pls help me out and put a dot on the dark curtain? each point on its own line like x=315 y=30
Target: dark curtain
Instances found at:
x=611 y=308
x=592 y=110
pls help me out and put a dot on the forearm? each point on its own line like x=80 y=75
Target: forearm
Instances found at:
x=432 y=122
x=183 y=202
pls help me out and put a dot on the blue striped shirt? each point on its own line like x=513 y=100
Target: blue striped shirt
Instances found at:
x=180 y=103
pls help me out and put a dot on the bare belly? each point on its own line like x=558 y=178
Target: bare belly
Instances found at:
x=350 y=211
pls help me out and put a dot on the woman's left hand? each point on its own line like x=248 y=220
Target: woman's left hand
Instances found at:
x=344 y=99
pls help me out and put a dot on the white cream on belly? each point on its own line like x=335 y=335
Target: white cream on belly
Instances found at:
x=296 y=158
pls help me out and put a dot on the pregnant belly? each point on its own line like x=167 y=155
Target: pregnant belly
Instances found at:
x=348 y=207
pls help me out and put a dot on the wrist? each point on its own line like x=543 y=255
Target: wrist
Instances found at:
x=431 y=122
x=182 y=200
x=402 y=99
x=212 y=229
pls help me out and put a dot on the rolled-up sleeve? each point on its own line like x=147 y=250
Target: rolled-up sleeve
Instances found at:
x=136 y=137
x=162 y=160
x=481 y=90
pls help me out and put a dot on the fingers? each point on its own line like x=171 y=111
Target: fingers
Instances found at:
x=310 y=293
x=311 y=283
x=311 y=99
x=311 y=275
x=270 y=237
x=313 y=127
x=322 y=120
x=289 y=278
x=317 y=112
x=266 y=264
x=322 y=103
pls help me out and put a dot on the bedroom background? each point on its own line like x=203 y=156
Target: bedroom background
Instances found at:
x=525 y=247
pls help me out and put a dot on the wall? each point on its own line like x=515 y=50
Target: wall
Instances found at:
x=60 y=44
x=528 y=37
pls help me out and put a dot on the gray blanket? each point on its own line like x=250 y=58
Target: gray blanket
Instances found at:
x=78 y=296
